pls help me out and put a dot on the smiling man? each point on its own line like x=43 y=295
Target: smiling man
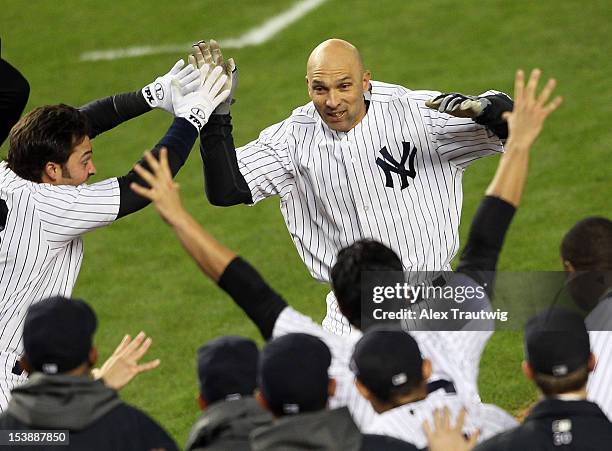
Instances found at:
x=364 y=159
x=46 y=205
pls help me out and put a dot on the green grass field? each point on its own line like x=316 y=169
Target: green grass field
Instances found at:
x=135 y=273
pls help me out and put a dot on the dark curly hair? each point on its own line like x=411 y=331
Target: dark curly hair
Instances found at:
x=46 y=134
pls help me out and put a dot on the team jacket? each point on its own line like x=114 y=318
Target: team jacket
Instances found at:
x=557 y=425
x=97 y=420
x=226 y=425
x=327 y=430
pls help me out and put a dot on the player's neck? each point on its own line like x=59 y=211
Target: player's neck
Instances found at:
x=578 y=395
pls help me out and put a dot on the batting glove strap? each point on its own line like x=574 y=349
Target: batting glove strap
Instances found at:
x=158 y=94
x=197 y=106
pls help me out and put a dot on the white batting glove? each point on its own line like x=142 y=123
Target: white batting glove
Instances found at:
x=158 y=94
x=197 y=106
x=458 y=105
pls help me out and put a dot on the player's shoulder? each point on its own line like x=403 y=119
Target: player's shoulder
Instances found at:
x=388 y=92
x=305 y=115
x=12 y=183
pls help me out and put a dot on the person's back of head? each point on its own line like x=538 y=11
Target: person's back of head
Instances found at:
x=558 y=356
x=46 y=134
x=58 y=337
x=358 y=270
x=227 y=369
x=586 y=252
x=293 y=375
x=389 y=369
x=588 y=245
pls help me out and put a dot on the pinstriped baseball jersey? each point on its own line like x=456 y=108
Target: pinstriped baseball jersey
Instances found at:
x=40 y=245
x=452 y=355
x=395 y=177
x=599 y=324
x=406 y=422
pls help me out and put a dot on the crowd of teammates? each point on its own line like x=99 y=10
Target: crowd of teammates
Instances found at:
x=356 y=385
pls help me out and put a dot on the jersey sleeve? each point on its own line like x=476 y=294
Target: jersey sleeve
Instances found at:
x=460 y=141
x=291 y=321
x=265 y=163
x=67 y=212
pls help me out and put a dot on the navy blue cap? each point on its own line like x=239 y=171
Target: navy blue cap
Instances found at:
x=557 y=342
x=386 y=359
x=58 y=334
x=293 y=374
x=227 y=368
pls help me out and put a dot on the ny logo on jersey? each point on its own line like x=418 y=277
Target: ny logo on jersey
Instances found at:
x=390 y=164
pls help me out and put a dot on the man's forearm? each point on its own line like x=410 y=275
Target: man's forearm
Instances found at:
x=179 y=140
x=107 y=113
x=509 y=179
x=224 y=184
x=210 y=255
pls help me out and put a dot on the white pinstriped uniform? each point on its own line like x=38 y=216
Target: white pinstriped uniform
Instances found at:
x=448 y=352
x=41 y=250
x=333 y=192
x=406 y=422
x=599 y=324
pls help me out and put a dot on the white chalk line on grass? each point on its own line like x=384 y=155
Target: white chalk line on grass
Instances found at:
x=255 y=36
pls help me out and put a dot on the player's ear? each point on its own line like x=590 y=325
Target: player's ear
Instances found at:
x=592 y=362
x=367 y=76
x=202 y=404
x=331 y=387
x=527 y=370
x=426 y=369
x=568 y=267
x=25 y=365
x=51 y=172
x=93 y=356
x=363 y=390
x=262 y=401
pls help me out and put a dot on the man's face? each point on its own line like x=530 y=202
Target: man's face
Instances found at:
x=337 y=93
x=79 y=166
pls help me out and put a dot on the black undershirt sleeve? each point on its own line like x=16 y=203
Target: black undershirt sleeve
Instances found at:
x=14 y=92
x=252 y=294
x=223 y=182
x=491 y=117
x=481 y=253
x=179 y=140
x=105 y=114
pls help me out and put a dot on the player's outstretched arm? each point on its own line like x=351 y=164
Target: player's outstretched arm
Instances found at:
x=486 y=110
x=123 y=365
x=503 y=195
x=241 y=281
x=107 y=113
x=525 y=123
x=223 y=182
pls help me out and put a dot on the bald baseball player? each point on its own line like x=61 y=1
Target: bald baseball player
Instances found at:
x=455 y=355
x=46 y=204
x=363 y=159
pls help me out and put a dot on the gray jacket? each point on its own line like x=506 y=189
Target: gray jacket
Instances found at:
x=226 y=425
